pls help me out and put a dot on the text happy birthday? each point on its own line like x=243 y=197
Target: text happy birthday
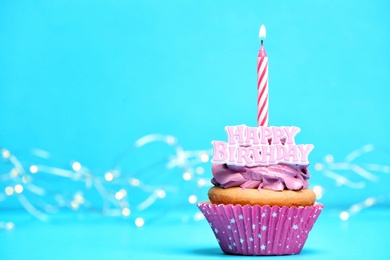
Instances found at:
x=253 y=146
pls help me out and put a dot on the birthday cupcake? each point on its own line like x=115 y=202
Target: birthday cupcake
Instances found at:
x=260 y=203
x=264 y=209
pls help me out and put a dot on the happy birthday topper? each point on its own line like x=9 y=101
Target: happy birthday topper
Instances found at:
x=263 y=145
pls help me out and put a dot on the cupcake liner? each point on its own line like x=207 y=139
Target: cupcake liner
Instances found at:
x=260 y=230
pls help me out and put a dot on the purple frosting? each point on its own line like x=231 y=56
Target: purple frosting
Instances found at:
x=273 y=177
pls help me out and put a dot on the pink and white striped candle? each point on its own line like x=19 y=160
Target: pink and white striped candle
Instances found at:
x=262 y=82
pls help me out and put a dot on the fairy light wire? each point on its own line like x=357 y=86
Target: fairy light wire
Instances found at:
x=115 y=187
x=332 y=169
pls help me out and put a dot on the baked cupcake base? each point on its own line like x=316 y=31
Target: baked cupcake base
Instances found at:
x=260 y=230
x=238 y=195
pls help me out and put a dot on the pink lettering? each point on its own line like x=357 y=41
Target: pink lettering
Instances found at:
x=235 y=134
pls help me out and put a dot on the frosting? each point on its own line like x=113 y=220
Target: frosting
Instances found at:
x=264 y=157
x=274 y=177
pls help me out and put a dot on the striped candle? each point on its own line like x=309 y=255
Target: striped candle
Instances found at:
x=262 y=83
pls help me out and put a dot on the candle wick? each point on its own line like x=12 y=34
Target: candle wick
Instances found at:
x=262 y=43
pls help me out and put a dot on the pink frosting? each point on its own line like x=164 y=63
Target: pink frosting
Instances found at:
x=273 y=177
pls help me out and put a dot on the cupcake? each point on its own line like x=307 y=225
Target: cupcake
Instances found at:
x=260 y=203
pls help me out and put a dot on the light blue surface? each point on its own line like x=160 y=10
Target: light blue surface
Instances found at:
x=362 y=237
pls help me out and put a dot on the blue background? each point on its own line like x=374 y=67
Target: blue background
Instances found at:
x=84 y=80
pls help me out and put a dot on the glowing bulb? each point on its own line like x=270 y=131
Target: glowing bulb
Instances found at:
x=9 y=226
x=33 y=169
x=318 y=191
x=329 y=158
x=74 y=205
x=344 y=216
x=120 y=194
x=369 y=202
x=18 y=188
x=139 y=222
x=126 y=212
x=79 y=199
x=135 y=182
x=204 y=157
x=171 y=140
x=9 y=190
x=76 y=166
x=198 y=216
x=109 y=176
x=199 y=170
x=192 y=199
x=318 y=166
x=187 y=176
x=5 y=153
x=14 y=172
x=201 y=182
x=160 y=193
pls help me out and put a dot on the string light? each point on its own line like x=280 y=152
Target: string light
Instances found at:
x=201 y=182
x=14 y=173
x=109 y=176
x=160 y=193
x=369 y=202
x=204 y=157
x=171 y=140
x=78 y=198
x=331 y=169
x=318 y=190
x=139 y=222
x=120 y=194
x=199 y=170
x=114 y=186
x=9 y=190
x=198 y=216
x=76 y=166
x=134 y=182
x=329 y=158
x=74 y=205
x=187 y=176
x=18 y=188
x=7 y=225
x=33 y=169
x=192 y=199
x=5 y=153
x=344 y=216
x=126 y=212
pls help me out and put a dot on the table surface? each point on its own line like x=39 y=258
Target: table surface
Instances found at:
x=363 y=236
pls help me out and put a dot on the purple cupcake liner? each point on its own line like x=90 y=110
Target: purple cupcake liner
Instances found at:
x=260 y=230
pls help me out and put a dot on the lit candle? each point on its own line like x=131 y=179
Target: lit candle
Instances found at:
x=262 y=82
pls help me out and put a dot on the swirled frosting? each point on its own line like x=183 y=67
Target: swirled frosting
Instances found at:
x=273 y=177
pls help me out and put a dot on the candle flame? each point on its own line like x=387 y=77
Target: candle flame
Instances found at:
x=262 y=31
